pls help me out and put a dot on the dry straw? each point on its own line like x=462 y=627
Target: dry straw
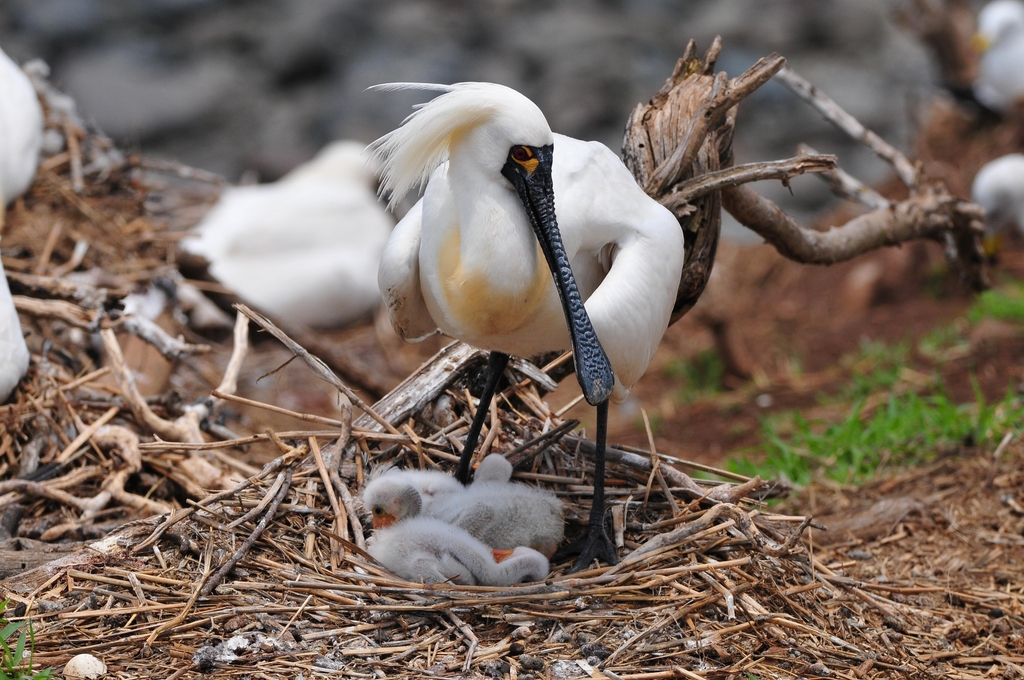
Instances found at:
x=268 y=577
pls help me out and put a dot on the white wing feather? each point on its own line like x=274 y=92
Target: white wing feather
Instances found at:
x=399 y=279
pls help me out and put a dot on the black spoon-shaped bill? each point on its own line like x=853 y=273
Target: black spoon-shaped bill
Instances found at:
x=534 y=186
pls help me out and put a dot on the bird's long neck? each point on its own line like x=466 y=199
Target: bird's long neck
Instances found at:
x=496 y=240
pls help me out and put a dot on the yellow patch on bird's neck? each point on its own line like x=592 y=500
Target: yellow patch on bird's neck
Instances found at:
x=479 y=307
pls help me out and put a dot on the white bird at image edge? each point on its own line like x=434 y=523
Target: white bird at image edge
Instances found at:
x=21 y=130
x=1000 y=39
x=21 y=136
x=999 y=189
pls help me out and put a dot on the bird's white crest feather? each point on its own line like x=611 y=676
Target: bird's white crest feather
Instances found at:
x=410 y=153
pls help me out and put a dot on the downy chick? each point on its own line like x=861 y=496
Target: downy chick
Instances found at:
x=501 y=513
x=392 y=494
x=504 y=514
x=429 y=550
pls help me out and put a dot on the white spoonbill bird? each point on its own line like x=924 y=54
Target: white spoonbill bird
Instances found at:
x=526 y=242
x=392 y=494
x=305 y=248
x=13 y=352
x=1000 y=39
x=21 y=136
x=999 y=189
x=21 y=130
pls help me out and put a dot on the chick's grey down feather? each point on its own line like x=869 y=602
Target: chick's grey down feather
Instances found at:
x=407 y=493
x=506 y=514
x=501 y=513
x=428 y=550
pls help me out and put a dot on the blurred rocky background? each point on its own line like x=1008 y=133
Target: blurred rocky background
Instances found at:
x=257 y=86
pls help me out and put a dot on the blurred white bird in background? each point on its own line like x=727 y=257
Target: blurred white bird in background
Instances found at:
x=1000 y=39
x=21 y=136
x=517 y=227
x=13 y=352
x=21 y=130
x=304 y=249
x=999 y=189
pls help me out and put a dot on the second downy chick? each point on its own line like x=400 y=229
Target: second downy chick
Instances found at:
x=431 y=551
x=502 y=513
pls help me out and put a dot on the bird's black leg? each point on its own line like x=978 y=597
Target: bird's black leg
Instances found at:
x=595 y=544
x=496 y=364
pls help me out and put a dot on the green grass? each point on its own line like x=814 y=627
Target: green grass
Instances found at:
x=906 y=430
x=14 y=664
x=702 y=375
x=942 y=339
x=876 y=366
x=1005 y=303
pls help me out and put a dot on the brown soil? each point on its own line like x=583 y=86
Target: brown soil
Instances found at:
x=946 y=537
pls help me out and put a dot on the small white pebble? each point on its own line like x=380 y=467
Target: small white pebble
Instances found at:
x=563 y=669
x=763 y=400
x=85 y=666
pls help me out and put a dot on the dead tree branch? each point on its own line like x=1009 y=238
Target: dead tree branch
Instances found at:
x=684 y=192
x=930 y=212
x=833 y=113
x=845 y=185
x=725 y=95
x=81 y=306
x=171 y=348
x=229 y=565
x=144 y=415
x=195 y=472
x=423 y=386
x=683 y=132
x=725 y=493
x=345 y=362
x=38 y=286
x=126 y=444
x=319 y=368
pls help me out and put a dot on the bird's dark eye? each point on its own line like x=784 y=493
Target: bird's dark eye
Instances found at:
x=521 y=153
x=378 y=511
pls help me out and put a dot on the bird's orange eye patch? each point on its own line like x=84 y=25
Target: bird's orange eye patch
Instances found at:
x=524 y=157
x=382 y=518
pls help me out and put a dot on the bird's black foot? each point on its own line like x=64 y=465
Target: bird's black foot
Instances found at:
x=593 y=545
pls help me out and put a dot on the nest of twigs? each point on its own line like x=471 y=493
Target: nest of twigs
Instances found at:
x=220 y=565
